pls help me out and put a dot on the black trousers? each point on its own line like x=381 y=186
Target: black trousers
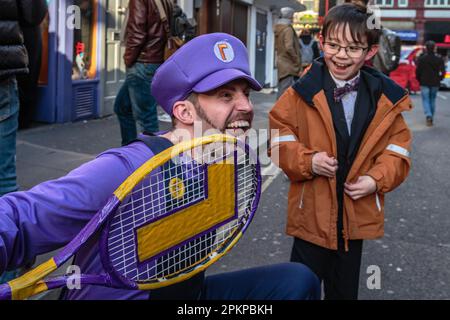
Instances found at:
x=339 y=270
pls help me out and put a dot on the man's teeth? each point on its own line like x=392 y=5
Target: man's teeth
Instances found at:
x=239 y=124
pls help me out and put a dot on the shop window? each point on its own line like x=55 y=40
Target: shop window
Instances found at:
x=437 y=3
x=384 y=3
x=85 y=41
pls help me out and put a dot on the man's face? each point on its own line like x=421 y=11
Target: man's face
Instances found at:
x=344 y=64
x=227 y=108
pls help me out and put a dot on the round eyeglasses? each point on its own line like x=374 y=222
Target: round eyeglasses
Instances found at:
x=351 y=51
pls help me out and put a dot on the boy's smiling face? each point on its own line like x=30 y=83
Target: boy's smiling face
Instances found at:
x=339 y=63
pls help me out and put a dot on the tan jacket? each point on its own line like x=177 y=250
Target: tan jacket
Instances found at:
x=288 y=51
x=305 y=126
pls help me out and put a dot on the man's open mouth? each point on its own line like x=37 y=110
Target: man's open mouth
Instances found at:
x=238 y=127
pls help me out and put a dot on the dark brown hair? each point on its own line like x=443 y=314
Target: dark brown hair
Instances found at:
x=430 y=45
x=355 y=17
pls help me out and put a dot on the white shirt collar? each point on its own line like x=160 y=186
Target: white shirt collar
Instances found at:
x=342 y=83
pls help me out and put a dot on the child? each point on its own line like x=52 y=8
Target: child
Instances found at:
x=343 y=143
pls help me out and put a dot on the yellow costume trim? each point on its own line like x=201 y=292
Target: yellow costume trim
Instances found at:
x=25 y=286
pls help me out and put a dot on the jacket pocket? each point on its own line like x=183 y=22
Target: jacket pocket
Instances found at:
x=369 y=212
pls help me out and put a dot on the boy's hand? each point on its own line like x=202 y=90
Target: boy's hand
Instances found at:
x=364 y=186
x=324 y=165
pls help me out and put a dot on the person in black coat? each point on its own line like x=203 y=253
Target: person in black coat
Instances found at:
x=28 y=84
x=13 y=62
x=429 y=72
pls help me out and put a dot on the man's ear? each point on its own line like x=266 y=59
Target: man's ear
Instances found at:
x=183 y=112
x=372 y=52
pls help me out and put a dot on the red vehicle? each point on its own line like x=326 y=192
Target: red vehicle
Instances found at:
x=405 y=74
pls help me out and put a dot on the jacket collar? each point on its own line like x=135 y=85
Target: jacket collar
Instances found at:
x=312 y=83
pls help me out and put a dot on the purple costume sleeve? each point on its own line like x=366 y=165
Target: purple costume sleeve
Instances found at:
x=49 y=215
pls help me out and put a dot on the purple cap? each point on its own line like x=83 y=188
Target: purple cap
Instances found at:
x=203 y=64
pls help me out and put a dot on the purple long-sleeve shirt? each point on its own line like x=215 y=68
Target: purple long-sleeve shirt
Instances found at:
x=49 y=215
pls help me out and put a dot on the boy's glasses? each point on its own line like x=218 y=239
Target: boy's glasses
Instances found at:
x=352 y=51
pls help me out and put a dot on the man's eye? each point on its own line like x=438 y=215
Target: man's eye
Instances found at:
x=226 y=95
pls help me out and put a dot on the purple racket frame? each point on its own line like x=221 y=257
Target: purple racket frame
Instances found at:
x=112 y=278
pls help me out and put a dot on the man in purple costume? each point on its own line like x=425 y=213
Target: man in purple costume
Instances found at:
x=206 y=83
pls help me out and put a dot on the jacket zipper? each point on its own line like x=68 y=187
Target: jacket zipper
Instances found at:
x=301 y=198
x=377 y=200
x=344 y=235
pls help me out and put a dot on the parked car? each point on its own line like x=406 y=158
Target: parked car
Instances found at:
x=445 y=83
x=405 y=74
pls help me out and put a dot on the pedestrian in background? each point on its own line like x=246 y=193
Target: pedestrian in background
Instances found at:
x=429 y=72
x=146 y=38
x=308 y=47
x=13 y=62
x=289 y=62
x=181 y=26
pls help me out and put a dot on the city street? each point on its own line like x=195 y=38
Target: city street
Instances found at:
x=413 y=256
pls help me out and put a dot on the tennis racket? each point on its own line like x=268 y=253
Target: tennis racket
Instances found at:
x=172 y=218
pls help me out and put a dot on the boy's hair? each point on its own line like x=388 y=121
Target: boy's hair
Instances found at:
x=354 y=16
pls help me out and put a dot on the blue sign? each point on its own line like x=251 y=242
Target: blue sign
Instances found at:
x=407 y=35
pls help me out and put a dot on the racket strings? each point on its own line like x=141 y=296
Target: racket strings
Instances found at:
x=149 y=200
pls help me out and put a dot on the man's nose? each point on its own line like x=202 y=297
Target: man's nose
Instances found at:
x=243 y=103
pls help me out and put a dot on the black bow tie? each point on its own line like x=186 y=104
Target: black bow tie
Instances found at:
x=339 y=93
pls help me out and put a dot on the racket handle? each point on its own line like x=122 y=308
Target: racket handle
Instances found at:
x=5 y=292
x=23 y=287
x=55 y=283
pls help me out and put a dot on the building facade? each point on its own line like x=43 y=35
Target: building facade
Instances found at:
x=82 y=62
x=427 y=19
x=251 y=21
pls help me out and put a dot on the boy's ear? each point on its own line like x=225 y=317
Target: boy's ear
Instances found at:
x=321 y=42
x=372 y=52
x=183 y=112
